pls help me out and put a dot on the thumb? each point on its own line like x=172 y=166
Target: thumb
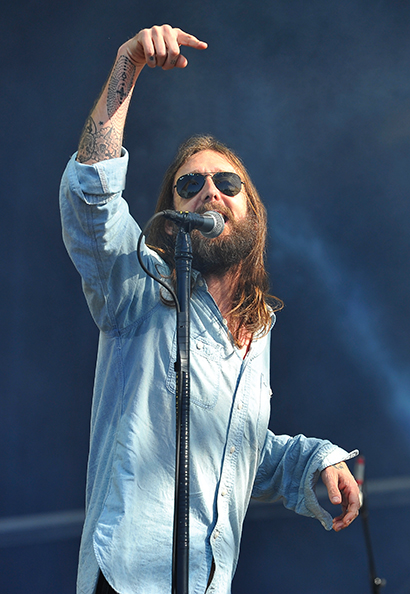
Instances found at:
x=330 y=479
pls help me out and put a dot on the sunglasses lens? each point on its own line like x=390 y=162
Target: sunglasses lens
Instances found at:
x=228 y=183
x=189 y=185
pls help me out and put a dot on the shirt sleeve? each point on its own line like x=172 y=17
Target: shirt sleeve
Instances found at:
x=289 y=470
x=101 y=238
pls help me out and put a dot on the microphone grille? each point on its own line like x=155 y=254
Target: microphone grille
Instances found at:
x=218 y=226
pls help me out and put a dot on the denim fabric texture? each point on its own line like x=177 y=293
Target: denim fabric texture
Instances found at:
x=130 y=480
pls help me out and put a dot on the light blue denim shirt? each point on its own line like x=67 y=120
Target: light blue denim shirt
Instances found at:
x=130 y=482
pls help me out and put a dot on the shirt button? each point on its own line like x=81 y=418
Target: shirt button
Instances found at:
x=225 y=322
x=199 y=345
x=216 y=533
x=232 y=449
x=239 y=405
x=223 y=493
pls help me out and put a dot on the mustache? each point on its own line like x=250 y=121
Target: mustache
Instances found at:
x=221 y=208
x=225 y=211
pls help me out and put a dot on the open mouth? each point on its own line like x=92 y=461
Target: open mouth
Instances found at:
x=224 y=216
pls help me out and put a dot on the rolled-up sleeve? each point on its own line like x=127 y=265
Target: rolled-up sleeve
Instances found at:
x=101 y=238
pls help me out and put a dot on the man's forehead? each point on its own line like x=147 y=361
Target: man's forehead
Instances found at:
x=206 y=161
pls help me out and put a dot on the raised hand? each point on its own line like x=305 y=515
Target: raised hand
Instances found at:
x=102 y=134
x=160 y=46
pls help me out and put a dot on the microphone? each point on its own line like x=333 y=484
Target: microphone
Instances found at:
x=210 y=224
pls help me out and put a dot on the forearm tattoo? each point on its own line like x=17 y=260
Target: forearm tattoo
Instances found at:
x=120 y=84
x=98 y=143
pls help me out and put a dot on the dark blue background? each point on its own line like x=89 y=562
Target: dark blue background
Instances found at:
x=315 y=97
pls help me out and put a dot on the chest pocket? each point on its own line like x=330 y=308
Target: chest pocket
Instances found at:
x=205 y=371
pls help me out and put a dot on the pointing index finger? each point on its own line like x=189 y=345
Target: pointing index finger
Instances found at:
x=190 y=40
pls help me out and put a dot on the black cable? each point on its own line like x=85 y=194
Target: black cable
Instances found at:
x=145 y=269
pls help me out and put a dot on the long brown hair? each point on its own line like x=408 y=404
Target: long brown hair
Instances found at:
x=252 y=305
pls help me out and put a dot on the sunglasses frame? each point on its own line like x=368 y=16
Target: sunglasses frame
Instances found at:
x=212 y=176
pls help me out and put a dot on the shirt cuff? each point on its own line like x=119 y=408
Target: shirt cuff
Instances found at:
x=98 y=182
x=336 y=456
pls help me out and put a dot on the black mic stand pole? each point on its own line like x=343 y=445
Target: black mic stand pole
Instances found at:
x=183 y=263
x=376 y=583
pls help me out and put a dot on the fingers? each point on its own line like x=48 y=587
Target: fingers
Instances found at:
x=350 y=511
x=160 y=46
x=166 y=47
x=342 y=489
x=190 y=40
x=330 y=477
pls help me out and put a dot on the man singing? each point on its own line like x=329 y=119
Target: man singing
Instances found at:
x=126 y=544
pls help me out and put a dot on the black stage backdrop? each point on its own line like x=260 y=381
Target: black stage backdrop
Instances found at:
x=315 y=97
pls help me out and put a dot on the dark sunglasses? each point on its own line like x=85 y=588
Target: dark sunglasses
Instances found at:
x=190 y=184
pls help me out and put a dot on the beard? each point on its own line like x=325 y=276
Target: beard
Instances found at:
x=218 y=255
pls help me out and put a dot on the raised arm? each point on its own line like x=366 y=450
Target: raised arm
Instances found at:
x=159 y=46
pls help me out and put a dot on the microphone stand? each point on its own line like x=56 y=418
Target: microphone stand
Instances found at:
x=376 y=583
x=211 y=225
x=183 y=264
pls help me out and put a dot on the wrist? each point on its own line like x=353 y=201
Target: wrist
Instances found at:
x=129 y=50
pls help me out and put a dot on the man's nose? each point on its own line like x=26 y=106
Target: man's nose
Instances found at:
x=209 y=190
